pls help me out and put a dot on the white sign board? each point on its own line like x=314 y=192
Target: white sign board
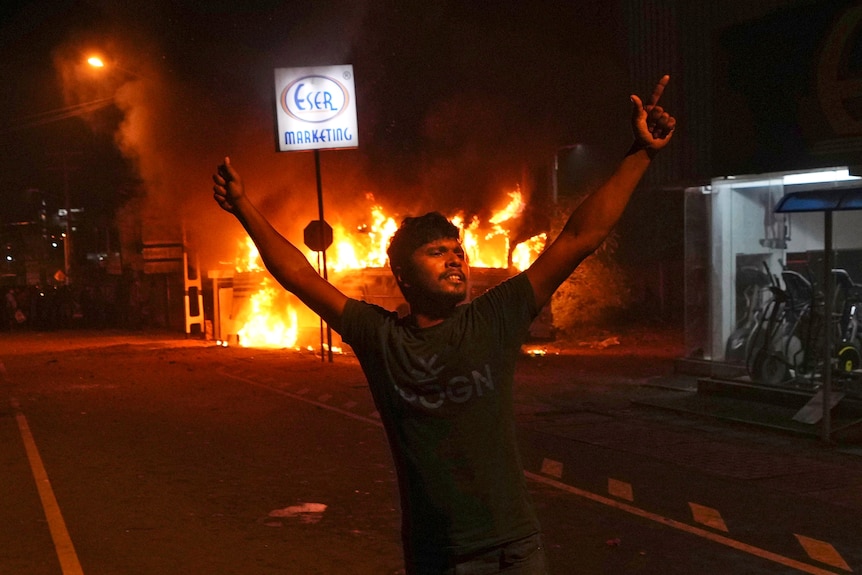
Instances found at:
x=315 y=108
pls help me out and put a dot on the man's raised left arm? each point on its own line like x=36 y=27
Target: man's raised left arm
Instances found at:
x=595 y=217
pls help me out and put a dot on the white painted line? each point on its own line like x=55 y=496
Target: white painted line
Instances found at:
x=62 y=542
x=691 y=529
x=373 y=419
x=823 y=552
x=299 y=397
x=552 y=468
x=707 y=516
x=620 y=489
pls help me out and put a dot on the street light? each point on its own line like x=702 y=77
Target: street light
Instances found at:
x=96 y=61
x=57 y=115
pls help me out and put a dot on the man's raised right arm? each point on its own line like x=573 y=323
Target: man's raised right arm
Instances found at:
x=282 y=259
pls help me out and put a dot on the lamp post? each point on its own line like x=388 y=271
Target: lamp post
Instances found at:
x=56 y=115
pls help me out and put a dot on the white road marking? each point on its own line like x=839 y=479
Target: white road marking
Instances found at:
x=62 y=541
x=299 y=397
x=823 y=552
x=691 y=529
x=620 y=489
x=707 y=516
x=552 y=468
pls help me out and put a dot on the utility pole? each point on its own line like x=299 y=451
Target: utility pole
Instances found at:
x=68 y=254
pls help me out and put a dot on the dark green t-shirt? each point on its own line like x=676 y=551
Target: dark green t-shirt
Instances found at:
x=445 y=397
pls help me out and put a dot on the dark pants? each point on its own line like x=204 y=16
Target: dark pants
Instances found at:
x=521 y=557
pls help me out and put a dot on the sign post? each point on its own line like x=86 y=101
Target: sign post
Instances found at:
x=316 y=110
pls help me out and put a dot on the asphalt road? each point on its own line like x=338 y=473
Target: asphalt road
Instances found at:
x=150 y=455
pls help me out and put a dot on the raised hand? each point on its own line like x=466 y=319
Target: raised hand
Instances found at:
x=228 y=186
x=652 y=126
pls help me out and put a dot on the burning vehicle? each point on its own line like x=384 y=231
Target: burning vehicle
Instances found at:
x=254 y=311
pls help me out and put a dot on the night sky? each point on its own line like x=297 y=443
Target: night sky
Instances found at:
x=456 y=101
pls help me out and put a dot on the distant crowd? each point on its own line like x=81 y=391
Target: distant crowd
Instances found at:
x=105 y=305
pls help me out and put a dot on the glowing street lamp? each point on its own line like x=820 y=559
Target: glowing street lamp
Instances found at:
x=98 y=62
x=59 y=114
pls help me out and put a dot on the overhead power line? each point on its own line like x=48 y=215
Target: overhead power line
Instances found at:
x=59 y=114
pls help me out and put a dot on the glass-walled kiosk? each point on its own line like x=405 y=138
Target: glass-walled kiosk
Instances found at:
x=755 y=275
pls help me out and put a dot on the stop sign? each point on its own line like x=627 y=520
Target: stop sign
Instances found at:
x=317 y=235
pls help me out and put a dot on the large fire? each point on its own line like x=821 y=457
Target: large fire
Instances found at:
x=271 y=320
x=364 y=247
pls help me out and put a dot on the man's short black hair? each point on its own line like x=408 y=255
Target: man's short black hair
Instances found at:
x=415 y=232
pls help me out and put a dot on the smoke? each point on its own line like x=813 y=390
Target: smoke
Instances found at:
x=455 y=106
x=192 y=87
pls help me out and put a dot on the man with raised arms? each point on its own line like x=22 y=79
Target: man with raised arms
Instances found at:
x=442 y=376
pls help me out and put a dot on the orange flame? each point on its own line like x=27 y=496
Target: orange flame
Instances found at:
x=272 y=323
x=248 y=259
x=364 y=248
x=525 y=253
x=268 y=324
